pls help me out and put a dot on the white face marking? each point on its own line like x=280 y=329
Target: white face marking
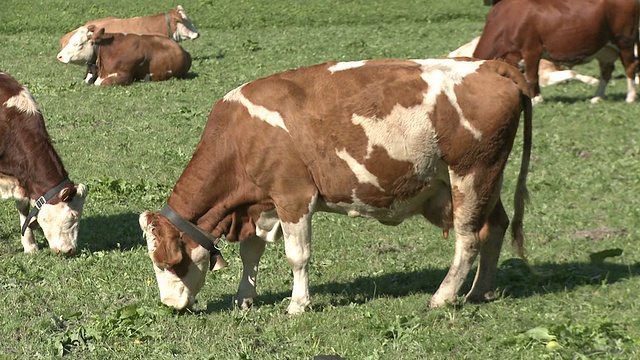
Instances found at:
x=434 y=71
x=179 y=293
x=185 y=31
x=24 y=102
x=272 y=118
x=346 y=65
x=60 y=222
x=79 y=50
x=364 y=176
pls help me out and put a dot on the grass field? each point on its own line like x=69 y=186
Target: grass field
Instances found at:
x=370 y=284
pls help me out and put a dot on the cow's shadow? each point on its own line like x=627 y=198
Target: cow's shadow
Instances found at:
x=110 y=232
x=514 y=280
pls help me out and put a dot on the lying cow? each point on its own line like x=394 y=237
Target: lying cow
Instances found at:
x=119 y=59
x=548 y=72
x=174 y=24
x=384 y=139
x=31 y=172
x=569 y=32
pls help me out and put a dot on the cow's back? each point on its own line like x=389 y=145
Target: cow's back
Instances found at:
x=371 y=137
x=569 y=31
x=150 y=57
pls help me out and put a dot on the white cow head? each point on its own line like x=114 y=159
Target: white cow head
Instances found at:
x=180 y=267
x=82 y=46
x=185 y=30
x=60 y=220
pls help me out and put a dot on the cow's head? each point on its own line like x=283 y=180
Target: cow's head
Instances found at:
x=82 y=47
x=180 y=263
x=60 y=218
x=185 y=30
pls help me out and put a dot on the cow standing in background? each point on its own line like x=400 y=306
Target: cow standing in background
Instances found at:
x=548 y=72
x=569 y=32
x=384 y=139
x=31 y=172
x=174 y=24
x=119 y=59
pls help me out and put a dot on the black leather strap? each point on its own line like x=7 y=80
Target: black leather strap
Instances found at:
x=43 y=200
x=205 y=239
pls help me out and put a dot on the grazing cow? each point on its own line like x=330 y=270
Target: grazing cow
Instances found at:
x=174 y=24
x=566 y=32
x=384 y=139
x=119 y=59
x=31 y=172
x=548 y=72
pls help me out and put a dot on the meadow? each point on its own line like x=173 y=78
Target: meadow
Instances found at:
x=371 y=284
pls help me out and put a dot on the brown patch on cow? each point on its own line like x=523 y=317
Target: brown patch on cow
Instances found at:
x=27 y=152
x=170 y=252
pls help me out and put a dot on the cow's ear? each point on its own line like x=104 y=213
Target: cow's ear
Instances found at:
x=67 y=194
x=168 y=252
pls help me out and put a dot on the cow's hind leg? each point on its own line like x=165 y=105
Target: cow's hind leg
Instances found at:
x=251 y=250
x=466 y=213
x=491 y=237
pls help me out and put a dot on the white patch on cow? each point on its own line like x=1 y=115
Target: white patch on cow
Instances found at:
x=268 y=226
x=177 y=292
x=465 y=185
x=406 y=134
x=346 y=65
x=364 y=176
x=272 y=118
x=101 y=79
x=442 y=75
x=10 y=188
x=24 y=102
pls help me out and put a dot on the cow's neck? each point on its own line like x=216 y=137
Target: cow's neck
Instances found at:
x=31 y=158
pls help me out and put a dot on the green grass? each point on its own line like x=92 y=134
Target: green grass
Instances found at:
x=370 y=284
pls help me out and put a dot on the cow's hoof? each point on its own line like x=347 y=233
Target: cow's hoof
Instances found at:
x=537 y=99
x=30 y=249
x=595 y=100
x=242 y=303
x=480 y=297
x=295 y=310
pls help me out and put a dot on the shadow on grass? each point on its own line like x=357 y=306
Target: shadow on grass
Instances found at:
x=103 y=233
x=614 y=97
x=515 y=279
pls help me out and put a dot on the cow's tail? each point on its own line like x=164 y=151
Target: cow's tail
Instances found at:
x=522 y=194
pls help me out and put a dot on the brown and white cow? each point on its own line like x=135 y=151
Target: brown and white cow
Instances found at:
x=174 y=24
x=122 y=58
x=569 y=32
x=548 y=72
x=31 y=172
x=384 y=139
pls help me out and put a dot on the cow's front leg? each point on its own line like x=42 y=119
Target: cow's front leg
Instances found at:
x=114 y=78
x=491 y=238
x=297 y=245
x=28 y=240
x=251 y=250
